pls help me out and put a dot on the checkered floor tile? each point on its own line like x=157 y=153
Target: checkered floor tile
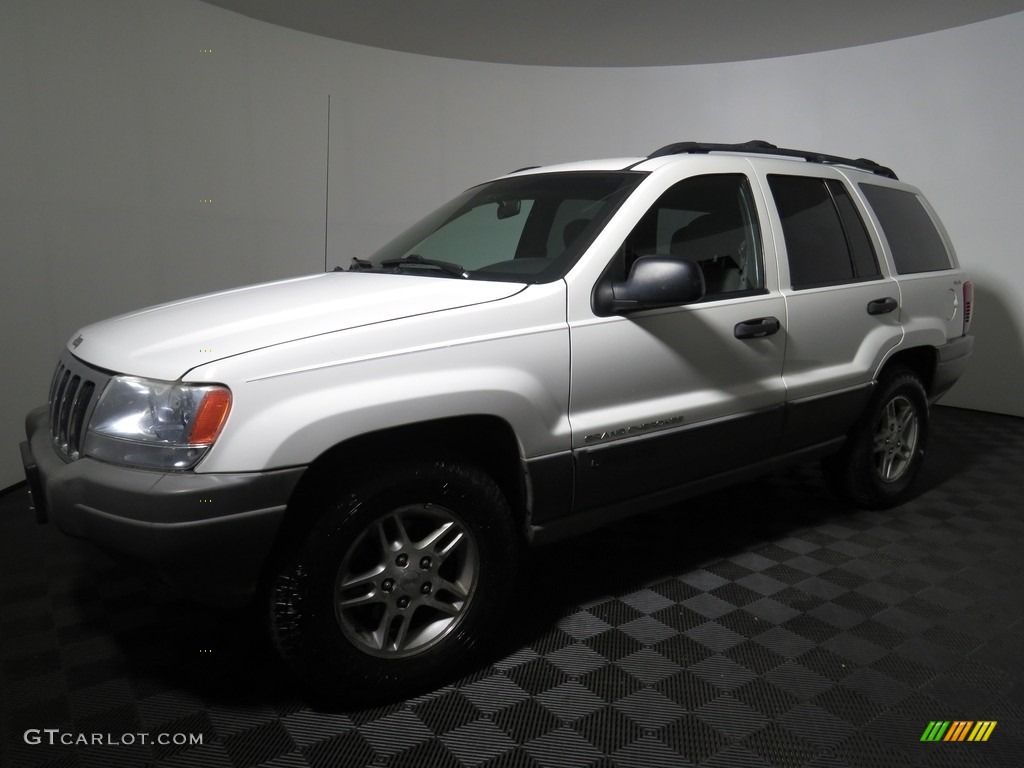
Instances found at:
x=760 y=626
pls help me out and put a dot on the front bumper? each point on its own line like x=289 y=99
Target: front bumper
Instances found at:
x=206 y=535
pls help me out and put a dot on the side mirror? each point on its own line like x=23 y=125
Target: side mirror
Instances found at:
x=653 y=282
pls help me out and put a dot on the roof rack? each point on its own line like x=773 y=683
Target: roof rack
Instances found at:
x=758 y=147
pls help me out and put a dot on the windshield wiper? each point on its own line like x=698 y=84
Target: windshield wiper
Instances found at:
x=415 y=260
x=356 y=265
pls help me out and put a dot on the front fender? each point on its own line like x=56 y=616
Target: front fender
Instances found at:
x=290 y=420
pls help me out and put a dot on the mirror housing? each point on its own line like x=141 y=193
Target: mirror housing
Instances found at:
x=653 y=282
x=509 y=208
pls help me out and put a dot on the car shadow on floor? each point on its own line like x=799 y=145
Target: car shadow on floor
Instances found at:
x=224 y=657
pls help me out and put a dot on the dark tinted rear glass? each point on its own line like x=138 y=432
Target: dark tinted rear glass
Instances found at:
x=865 y=264
x=915 y=243
x=825 y=246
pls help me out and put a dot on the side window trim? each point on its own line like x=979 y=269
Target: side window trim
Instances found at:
x=850 y=218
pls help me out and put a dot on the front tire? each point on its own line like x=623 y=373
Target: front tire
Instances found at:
x=883 y=454
x=392 y=588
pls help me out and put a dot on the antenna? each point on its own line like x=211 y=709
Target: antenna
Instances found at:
x=327 y=181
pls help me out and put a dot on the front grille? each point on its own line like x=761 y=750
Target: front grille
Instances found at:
x=72 y=396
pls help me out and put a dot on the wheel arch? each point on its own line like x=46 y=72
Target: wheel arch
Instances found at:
x=487 y=441
x=921 y=361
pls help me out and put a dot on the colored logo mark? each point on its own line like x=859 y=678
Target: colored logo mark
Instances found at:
x=958 y=730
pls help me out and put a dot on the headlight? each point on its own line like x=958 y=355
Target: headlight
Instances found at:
x=156 y=424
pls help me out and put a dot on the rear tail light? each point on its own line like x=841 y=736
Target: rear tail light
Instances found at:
x=968 y=304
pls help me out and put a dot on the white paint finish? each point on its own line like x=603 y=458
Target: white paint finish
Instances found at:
x=508 y=358
x=681 y=362
x=835 y=344
x=167 y=341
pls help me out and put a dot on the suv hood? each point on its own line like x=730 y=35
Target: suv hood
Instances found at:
x=165 y=341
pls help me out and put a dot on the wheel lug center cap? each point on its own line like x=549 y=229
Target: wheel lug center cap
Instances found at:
x=410 y=581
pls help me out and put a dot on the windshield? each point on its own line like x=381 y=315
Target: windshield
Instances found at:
x=526 y=229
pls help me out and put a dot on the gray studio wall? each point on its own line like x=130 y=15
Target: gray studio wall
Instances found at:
x=120 y=118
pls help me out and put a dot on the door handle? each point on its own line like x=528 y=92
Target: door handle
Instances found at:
x=757 y=329
x=882 y=306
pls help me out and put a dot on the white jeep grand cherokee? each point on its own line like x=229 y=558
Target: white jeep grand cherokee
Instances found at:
x=367 y=450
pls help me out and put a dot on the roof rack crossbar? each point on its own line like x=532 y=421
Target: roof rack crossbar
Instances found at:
x=759 y=147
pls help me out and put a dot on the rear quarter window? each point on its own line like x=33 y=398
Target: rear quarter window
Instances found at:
x=913 y=239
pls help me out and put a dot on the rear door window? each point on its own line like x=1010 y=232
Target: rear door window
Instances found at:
x=826 y=241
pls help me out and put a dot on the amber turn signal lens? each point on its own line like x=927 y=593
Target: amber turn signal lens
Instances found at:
x=210 y=417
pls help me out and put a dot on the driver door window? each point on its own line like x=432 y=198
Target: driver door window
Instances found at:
x=711 y=221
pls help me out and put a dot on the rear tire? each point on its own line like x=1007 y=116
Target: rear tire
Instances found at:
x=883 y=454
x=392 y=588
